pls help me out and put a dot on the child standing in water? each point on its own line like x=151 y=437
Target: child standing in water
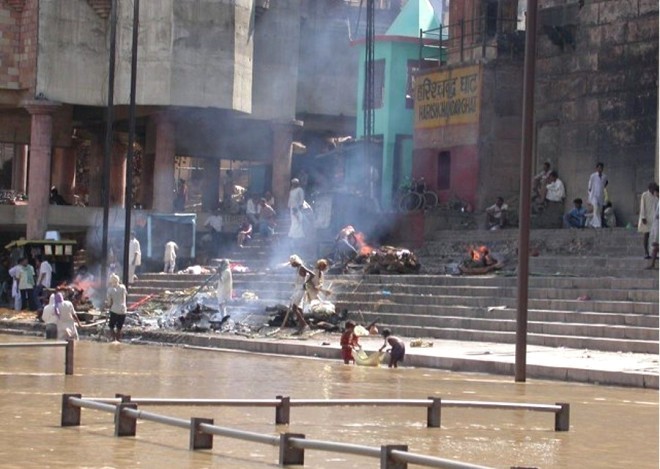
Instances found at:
x=398 y=350
x=348 y=342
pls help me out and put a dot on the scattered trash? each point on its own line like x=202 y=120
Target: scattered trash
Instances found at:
x=249 y=295
x=494 y=308
x=421 y=343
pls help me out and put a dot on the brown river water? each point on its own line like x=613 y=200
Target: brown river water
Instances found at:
x=610 y=427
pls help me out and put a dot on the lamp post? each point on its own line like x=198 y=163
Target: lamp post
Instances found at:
x=525 y=190
x=131 y=142
x=107 y=148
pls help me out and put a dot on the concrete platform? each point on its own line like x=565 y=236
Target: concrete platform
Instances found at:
x=562 y=364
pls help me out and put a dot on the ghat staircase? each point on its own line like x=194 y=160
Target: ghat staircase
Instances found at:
x=588 y=289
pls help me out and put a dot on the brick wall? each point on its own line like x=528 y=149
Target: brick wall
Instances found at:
x=18 y=44
x=28 y=43
x=9 y=35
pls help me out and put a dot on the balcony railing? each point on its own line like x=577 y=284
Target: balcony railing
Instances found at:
x=467 y=40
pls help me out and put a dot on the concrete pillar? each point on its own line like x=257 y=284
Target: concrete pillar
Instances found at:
x=211 y=183
x=41 y=138
x=118 y=175
x=163 y=174
x=281 y=155
x=95 y=171
x=63 y=175
x=19 y=169
x=145 y=197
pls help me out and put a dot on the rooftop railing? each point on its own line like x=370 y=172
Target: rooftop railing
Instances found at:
x=468 y=39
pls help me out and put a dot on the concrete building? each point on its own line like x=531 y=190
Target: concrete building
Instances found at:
x=396 y=58
x=233 y=84
x=218 y=82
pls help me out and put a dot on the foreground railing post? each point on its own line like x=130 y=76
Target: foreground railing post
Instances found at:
x=433 y=413
x=198 y=438
x=125 y=425
x=288 y=454
x=283 y=410
x=386 y=461
x=68 y=358
x=562 y=418
x=70 y=413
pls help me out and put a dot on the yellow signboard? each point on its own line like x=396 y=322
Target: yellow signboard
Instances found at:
x=448 y=97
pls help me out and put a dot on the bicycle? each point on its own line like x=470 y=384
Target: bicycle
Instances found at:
x=416 y=196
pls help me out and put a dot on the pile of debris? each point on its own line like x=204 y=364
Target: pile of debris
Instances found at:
x=392 y=260
x=318 y=314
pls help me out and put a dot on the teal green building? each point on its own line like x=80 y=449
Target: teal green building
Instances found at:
x=396 y=58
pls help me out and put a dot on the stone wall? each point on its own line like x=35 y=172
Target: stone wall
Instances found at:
x=597 y=95
x=500 y=131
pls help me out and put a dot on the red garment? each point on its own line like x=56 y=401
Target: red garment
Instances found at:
x=348 y=341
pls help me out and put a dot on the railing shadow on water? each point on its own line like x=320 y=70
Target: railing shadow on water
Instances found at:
x=292 y=446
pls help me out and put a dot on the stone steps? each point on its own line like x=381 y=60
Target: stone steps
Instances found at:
x=539 y=315
x=577 y=325
x=423 y=302
x=425 y=280
x=569 y=265
x=149 y=287
x=605 y=265
x=548 y=340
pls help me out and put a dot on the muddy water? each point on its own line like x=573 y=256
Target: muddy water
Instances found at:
x=610 y=427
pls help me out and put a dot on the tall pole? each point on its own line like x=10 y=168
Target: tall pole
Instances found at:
x=107 y=148
x=131 y=142
x=368 y=111
x=525 y=190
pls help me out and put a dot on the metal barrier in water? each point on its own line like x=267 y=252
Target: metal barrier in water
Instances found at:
x=292 y=446
x=68 y=354
x=434 y=405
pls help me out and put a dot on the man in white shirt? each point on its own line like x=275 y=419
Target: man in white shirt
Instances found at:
x=496 y=215
x=596 y=189
x=45 y=273
x=555 y=191
x=552 y=212
x=44 y=280
x=134 y=257
x=169 y=257
x=252 y=210
x=296 y=202
x=215 y=222
x=647 y=207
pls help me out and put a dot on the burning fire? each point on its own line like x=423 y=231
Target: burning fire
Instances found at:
x=80 y=292
x=362 y=247
x=480 y=254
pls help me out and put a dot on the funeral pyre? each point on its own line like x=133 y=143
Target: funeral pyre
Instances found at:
x=480 y=260
x=351 y=251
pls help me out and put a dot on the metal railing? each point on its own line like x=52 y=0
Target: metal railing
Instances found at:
x=479 y=33
x=283 y=405
x=68 y=353
x=292 y=446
